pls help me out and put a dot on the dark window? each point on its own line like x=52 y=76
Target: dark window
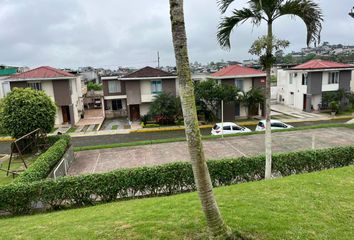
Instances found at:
x=304 y=78
x=116 y=104
x=216 y=127
x=227 y=128
x=279 y=125
x=236 y=128
x=260 y=124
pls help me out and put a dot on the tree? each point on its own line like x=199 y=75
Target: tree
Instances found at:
x=269 y=11
x=94 y=86
x=252 y=99
x=25 y=110
x=2 y=129
x=165 y=108
x=210 y=93
x=216 y=224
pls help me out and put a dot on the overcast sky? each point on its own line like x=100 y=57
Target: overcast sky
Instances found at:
x=110 y=33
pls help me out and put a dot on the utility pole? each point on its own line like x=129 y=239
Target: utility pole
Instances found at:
x=158 y=59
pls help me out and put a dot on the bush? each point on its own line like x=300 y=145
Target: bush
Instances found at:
x=151 y=125
x=164 y=179
x=165 y=108
x=2 y=129
x=44 y=164
x=94 y=86
x=26 y=110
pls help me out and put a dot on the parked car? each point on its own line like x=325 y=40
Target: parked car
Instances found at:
x=228 y=128
x=275 y=125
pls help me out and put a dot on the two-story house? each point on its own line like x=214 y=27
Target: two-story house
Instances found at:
x=302 y=86
x=130 y=96
x=244 y=78
x=62 y=87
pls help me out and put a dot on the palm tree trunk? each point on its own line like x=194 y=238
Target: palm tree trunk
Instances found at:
x=268 y=133
x=216 y=225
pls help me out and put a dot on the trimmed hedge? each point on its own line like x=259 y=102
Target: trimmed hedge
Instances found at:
x=166 y=179
x=46 y=161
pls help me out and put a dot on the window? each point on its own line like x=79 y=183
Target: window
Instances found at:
x=114 y=86
x=278 y=125
x=333 y=78
x=116 y=104
x=239 y=84
x=35 y=85
x=236 y=128
x=156 y=87
x=305 y=77
x=227 y=128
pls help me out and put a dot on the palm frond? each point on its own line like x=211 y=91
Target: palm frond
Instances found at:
x=309 y=12
x=223 y=5
x=228 y=23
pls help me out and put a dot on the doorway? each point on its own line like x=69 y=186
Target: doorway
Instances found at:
x=134 y=112
x=305 y=102
x=66 y=114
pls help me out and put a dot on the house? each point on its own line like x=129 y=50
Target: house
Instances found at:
x=303 y=86
x=130 y=96
x=5 y=72
x=245 y=79
x=62 y=87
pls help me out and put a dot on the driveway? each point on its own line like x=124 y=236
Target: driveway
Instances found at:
x=109 y=159
x=288 y=112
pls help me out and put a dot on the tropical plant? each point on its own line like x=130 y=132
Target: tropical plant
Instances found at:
x=165 y=108
x=215 y=222
x=269 y=11
x=252 y=99
x=210 y=93
x=94 y=86
x=25 y=110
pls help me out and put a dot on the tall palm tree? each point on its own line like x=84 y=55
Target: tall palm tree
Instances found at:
x=216 y=225
x=269 y=11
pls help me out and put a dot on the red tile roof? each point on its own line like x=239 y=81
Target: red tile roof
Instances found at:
x=148 y=72
x=237 y=70
x=42 y=73
x=321 y=64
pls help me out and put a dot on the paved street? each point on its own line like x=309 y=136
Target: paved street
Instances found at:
x=108 y=159
x=133 y=137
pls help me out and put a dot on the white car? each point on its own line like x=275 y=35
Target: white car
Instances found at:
x=275 y=125
x=228 y=128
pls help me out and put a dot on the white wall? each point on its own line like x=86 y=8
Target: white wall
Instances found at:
x=285 y=88
x=144 y=108
x=315 y=100
x=76 y=97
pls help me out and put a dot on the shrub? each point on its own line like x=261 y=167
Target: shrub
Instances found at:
x=94 y=86
x=164 y=179
x=165 y=108
x=25 y=110
x=44 y=164
x=83 y=190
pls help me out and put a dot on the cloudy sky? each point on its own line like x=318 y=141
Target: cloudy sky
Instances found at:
x=110 y=33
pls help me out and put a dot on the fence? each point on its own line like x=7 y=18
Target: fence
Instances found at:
x=61 y=169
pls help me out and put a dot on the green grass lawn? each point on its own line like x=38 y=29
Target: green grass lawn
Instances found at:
x=114 y=127
x=309 y=206
x=71 y=130
x=15 y=165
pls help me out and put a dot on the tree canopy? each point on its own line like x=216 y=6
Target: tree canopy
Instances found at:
x=25 y=110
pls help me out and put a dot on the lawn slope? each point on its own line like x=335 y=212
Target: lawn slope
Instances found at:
x=309 y=206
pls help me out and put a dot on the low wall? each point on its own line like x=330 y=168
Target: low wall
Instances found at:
x=61 y=169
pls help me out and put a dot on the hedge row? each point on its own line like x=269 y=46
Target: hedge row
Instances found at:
x=46 y=161
x=165 y=179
